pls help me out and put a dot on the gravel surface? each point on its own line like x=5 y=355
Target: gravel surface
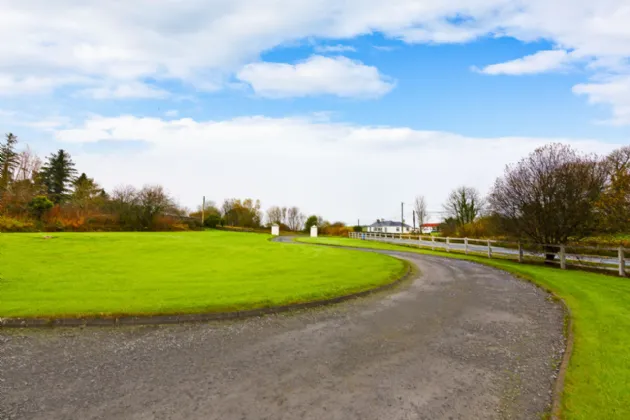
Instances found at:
x=459 y=341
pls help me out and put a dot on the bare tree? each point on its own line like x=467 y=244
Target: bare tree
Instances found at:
x=420 y=207
x=614 y=204
x=464 y=205
x=295 y=218
x=28 y=165
x=550 y=195
x=152 y=201
x=274 y=215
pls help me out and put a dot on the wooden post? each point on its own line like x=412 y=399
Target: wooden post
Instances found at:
x=433 y=242
x=203 y=208
x=489 y=249
x=520 y=252
x=448 y=245
x=466 y=245
x=563 y=258
x=622 y=262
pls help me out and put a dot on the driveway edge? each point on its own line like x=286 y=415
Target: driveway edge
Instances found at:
x=558 y=388
x=201 y=317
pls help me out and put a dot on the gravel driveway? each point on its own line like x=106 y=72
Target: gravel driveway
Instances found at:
x=459 y=341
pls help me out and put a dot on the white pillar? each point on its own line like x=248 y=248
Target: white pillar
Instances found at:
x=433 y=242
x=313 y=231
x=466 y=245
x=275 y=230
x=448 y=245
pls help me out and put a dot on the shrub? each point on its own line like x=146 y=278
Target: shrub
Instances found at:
x=212 y=221
x=10 y=224
x=40 y=205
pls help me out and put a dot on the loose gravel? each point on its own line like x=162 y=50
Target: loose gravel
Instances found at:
x=458 y=341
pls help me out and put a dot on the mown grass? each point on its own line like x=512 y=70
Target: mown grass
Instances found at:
x=86 y=274
x=597 y=384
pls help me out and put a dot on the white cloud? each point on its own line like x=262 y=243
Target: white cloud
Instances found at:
x=125 y=91
x=202 y=42
x=540 y=62
x=334 y=48
x=341 y=171
x=171 y=113
x=612 y=90
x=318 y=75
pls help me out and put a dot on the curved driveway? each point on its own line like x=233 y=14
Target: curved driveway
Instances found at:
x=460 y=341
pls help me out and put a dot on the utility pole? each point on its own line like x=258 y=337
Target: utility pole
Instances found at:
x=414 y=219
x=203 y=209
x=402 y=218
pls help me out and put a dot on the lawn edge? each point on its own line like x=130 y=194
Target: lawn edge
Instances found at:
x=94 y=321
x=558 y=388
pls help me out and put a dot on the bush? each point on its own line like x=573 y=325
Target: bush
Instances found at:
x=212 y=221
x=40 y=205
x=10 y=224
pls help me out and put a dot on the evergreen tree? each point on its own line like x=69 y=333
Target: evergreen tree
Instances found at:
x=58 y=175
x=86 y=192
x=8 y=161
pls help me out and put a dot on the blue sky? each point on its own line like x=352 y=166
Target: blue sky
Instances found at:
x=316 y=104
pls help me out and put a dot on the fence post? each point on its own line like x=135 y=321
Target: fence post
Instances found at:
x=622 y=262
x=466 y=245
x=489 y=249
x=563 y=258
x=520 y=252
x=448 y=244
x=433 y=242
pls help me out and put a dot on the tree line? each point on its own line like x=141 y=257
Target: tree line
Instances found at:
x=553 y=196
x=51 y=195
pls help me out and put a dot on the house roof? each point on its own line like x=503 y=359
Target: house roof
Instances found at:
x=388 y=223
x=430 y=225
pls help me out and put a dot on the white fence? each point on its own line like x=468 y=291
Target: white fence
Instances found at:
x=565 y=256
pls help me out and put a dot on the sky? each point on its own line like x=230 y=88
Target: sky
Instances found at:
x=345 y=108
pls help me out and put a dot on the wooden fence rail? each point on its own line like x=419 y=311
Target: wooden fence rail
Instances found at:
x=576 y=256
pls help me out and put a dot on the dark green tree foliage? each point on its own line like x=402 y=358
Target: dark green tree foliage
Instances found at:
x=40 y=205
x=8 y=161
x=310 y=222
x=58 y=175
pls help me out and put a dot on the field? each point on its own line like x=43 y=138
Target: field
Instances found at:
x=597 y=385
x=83 y=274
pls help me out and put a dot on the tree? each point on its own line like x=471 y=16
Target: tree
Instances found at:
x=152 y=201
x=295 y=218
x=8 y=161
x=245 y=213
x=40 y=205
x=86 y=192
x=549 y=196
x=57 y=176
x=310 y=222
x=614 y=203
x=28 y=165
x=274 y=215
x=420 y=207
x=464 y=204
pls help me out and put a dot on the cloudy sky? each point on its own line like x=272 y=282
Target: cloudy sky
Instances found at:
x=343 y=107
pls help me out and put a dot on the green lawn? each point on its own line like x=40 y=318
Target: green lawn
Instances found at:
x=79 y=274
x=597 y=385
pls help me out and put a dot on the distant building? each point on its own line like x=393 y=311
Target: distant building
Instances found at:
x=387 y=226
x=430 y=227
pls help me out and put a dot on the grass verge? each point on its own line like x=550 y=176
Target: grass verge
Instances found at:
x=114 y=274
x=597 y=382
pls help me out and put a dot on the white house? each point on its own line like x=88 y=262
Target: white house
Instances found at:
x=387 y=226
